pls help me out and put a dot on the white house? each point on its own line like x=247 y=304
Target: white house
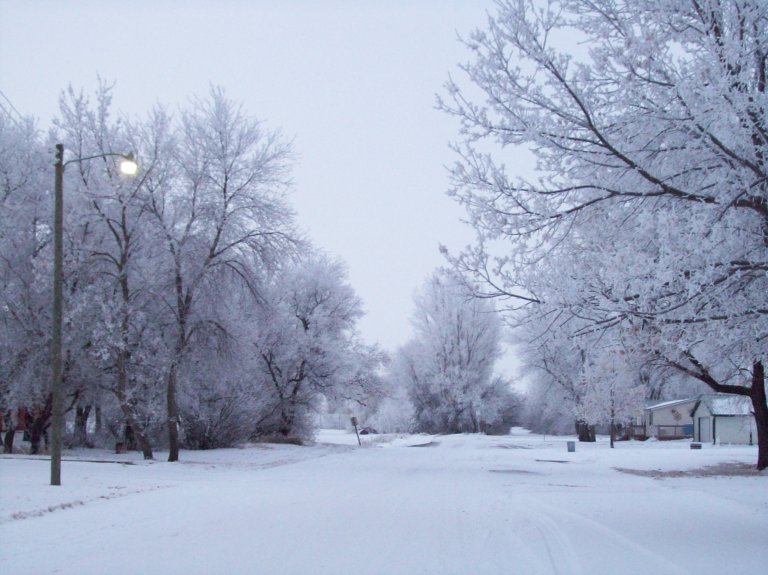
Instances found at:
x=724 y=418
x=670 y=419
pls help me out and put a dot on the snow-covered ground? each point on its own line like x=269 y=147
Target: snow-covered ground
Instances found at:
x=400 y=505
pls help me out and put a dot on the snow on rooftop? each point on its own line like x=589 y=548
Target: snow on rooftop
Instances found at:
x=671 y=403
x=717 y=403
x=725 y=404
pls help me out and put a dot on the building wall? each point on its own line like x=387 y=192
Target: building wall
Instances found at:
x=735 y=429
x=723 y=428
x=664 y=418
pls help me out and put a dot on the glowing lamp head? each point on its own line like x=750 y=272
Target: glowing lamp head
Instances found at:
x=128 y=166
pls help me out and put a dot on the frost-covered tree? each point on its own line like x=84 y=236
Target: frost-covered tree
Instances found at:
x=649 y=216
x=90 y=279
x=614 y=393
x=217 y=403
x=546 y=408
x=25 y=211
x=394 y=413
x=154 y=266
x=555 y=366
x=222 y=220
x=306 y=347
x=448 y=367
x=592 y=378
x=110 y=267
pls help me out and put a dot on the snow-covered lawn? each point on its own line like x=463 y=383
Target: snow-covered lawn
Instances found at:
x=400 y=505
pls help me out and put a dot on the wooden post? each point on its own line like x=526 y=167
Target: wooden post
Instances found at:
x=354 y=422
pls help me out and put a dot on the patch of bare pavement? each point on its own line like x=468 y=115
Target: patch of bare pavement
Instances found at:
x=725 y=469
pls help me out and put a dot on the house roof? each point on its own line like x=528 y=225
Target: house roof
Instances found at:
x=717 y=404
x=727 y=404
x=672 y=403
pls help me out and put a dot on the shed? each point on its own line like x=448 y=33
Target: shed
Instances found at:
x=724 y=418
x=670 y=419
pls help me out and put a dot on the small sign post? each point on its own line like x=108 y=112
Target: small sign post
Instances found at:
x=354 y=423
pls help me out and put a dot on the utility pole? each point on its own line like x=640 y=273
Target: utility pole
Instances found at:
x=58 y=259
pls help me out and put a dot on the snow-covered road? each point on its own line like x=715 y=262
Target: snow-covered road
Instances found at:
x=460 y=504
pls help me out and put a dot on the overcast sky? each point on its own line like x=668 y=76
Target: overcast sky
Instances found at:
x=353 y=82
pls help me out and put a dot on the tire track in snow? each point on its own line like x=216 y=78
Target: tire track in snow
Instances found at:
x=561 y=529
x=562 y=556
x=112 y=494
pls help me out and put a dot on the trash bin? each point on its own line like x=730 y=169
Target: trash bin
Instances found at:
x=571 y=446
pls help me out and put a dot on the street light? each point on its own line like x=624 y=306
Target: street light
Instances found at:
x=129 y=167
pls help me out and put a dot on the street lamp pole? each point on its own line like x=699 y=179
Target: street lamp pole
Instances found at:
x=128 y=167
x=58 y=259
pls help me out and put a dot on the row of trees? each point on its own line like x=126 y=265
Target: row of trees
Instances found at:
x=193 y=305
x=642 y=242
x=640 y=248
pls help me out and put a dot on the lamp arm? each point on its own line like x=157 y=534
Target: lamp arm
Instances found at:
x=128 y=157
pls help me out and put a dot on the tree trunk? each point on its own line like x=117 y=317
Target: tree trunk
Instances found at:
x=81 y=426
x=146 y=448
x=286 y=422
x=136 y=431
x=10 y=433
x=613 y=433
x=139 y=435
x=474 y=421
x=183 y=307
x=126 y=407
x=38 y=426
x=585 y=431
x=97 y=420
x=129 y=438
x=36 y=433
x=8 y=440
x=760 y=408
x=173 y=415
